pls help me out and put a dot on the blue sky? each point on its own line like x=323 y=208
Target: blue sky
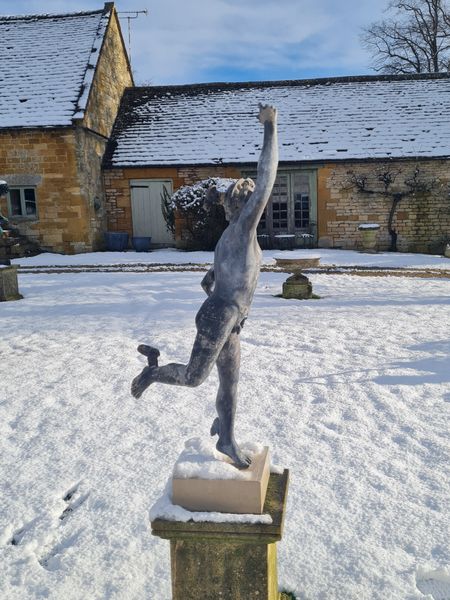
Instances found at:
x=193 y=41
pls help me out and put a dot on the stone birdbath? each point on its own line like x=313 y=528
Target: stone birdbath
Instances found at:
x=297 y=286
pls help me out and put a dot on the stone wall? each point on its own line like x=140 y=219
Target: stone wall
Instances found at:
x=47 y=161
x=64 y=167
x=89 y=151
x=112 y=76
x=421 y=220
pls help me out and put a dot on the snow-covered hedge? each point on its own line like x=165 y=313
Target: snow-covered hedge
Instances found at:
x=191 y=198
x=204 y=221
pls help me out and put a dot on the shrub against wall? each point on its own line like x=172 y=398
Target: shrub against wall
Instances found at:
x=203 y=221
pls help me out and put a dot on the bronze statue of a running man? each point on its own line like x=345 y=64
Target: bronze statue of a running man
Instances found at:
x=229 y=285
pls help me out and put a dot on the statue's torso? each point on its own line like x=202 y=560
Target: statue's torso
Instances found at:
x=237 y=260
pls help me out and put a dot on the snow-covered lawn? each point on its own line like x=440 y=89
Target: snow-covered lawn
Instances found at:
x=170 y=255
x=351 y=392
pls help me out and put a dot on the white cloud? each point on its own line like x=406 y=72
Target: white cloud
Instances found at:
x=183 y=41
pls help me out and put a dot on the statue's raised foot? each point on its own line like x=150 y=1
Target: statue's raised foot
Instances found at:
x=240 y=460
x=151 y=354
x=142 y=381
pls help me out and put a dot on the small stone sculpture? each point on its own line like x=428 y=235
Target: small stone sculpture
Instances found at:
x=229 y=285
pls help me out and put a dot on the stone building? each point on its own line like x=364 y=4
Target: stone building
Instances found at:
x=62 y=80
x=348 y=148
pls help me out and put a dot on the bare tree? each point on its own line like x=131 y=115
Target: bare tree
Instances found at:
x=415 y=38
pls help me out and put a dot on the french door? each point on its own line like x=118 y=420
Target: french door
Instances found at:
x=292 y=208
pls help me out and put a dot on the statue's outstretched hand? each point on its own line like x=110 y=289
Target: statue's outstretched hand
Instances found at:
x=267 y=113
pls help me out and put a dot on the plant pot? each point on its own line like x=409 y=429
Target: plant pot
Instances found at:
x=116 y=241
x=285 y=241
x=141 y=244
x=369 y=234
x=264 y=241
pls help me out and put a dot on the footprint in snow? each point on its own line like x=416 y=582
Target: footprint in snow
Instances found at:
x=74 y=499
x=51 y=560
x=20 y=533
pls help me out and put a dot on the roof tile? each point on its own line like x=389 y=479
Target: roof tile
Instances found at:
x=47 y=65
x=334 y=119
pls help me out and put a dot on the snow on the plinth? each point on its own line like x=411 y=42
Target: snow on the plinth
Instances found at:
x=201 y=460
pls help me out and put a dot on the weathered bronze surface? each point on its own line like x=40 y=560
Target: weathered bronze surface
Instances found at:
x=230 y=286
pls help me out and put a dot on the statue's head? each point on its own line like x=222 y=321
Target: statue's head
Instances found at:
x=236 y=196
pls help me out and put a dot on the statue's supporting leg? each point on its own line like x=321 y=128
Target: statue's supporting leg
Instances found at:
x=228 y=363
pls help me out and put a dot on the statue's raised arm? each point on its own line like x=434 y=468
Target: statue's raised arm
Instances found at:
x=266 y=172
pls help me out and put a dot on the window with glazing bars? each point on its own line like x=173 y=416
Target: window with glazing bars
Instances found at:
x=22 y=202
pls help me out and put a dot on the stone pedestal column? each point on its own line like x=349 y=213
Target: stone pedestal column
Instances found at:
x=9 y=289
x=227 y=561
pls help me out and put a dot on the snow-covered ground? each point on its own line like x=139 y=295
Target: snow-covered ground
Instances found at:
x=351 y=392
x=170 y=255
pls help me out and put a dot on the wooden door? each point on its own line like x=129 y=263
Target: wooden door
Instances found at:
x=148 y=219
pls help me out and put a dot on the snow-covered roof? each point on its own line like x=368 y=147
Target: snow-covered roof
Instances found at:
x=47 y=66
x=324 y=119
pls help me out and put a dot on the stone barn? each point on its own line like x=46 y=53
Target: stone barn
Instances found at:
x=353 y=151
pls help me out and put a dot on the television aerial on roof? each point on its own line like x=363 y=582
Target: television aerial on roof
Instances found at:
x=131 y=14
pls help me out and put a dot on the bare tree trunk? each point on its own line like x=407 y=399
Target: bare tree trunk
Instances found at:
x=392 y=232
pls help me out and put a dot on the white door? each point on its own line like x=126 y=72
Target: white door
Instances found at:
x=148 y=219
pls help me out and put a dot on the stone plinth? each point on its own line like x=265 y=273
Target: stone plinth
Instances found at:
x=227 y=561
x=298 y=286
x=241 y=496
x=9 y=288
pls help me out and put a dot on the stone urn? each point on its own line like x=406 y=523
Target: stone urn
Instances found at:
x=298 y=286
x=369 y=232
